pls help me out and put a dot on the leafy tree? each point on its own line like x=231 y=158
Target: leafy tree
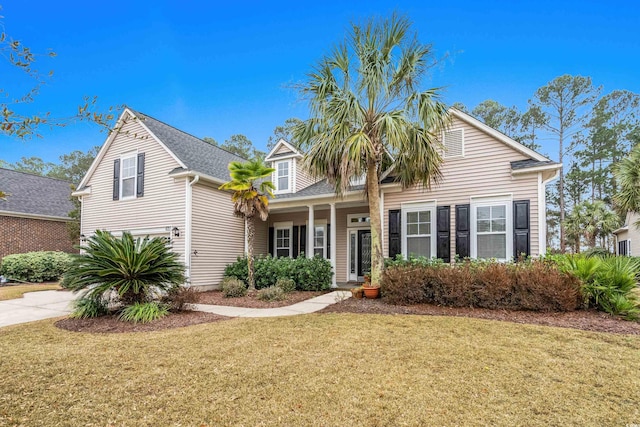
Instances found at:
x=74 y=166
x=251 y=192
x=591 y=220
x=531 y=122
x=627 y=173
x=460 y=107
x=509 y=120
x=367 y=113
x=285 y=132
x=136 y=270
x=34 y=165
x=239 y=145
x=564 y=101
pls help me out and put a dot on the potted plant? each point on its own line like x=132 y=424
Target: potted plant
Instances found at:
x=357 y=292
x=371 y=291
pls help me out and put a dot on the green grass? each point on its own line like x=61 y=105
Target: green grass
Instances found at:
x=330 y=370
x=16 y=291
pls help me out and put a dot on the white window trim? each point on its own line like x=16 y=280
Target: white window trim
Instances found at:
x=288 y=225
x=418 y=207
x=507 y=201
x=444 y=147
x=129 y=155
x=319 y=223
x=291 y=172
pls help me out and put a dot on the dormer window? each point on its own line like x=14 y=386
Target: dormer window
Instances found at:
x=283 y=176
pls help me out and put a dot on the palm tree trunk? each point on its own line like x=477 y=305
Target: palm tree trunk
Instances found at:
x=251 y=231
x=373 y=190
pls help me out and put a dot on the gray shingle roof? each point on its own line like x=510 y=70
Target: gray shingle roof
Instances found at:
x=35 y=195
x=196 y=154
x=323 y=188
x=530 y=163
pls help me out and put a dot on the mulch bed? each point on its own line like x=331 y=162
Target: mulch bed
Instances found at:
x=111 y=324
x=587 y=320
x=250 y=300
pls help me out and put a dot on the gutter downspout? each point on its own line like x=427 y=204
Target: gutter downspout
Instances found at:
x=187 y=226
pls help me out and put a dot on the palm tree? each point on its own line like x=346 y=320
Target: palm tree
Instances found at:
x=627 y=174
x=251 y=189
x=591 y=220
x=367 y=114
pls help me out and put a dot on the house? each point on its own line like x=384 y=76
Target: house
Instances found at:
x=628 y=236
x=34 y=215
x=152 y=179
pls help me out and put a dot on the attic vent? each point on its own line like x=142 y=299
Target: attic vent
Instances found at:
x=454 y=143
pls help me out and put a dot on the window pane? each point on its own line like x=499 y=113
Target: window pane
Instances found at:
x=419 y=246
x=318 y=252
x=484 y=212
x=128 y=187
x=498 y=211
x=283 y=183
x=498 y=225
x=424 y=216
x=425 y=228
x=484 y=225
x=412 y=229
x=352 y=253
x=282 y=252
x=412 y=217
x=492 y=246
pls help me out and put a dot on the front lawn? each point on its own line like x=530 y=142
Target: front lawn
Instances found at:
x=16 y=291
x=320 y=369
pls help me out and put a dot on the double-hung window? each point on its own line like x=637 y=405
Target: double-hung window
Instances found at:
x=419 y=230
x=319 y=241
x=492 y=231
x=128 y=174
x=284 y=239
x=283 y=176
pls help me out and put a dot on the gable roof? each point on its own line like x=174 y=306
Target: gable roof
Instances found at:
x=191 y=153
x=273 y=154
x=34 y=195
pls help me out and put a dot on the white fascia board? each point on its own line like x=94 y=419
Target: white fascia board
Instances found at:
x=35 y=216
x=84 y=192
x=556 y=166
x=277 y=146
x=203 y=176
x=497 y=135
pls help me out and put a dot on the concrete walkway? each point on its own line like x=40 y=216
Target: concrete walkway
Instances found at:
x=47 y=304
x=35 y=306
x=304 y=307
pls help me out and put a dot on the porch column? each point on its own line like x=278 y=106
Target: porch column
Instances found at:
x=332 y=239
x=310 y=232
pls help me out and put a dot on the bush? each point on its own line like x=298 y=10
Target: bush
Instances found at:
x=35 y=267
x=144 y=312
x=233 y=288
x=177 y=298
x=309 y=274
x=532 y=285
x=287 y=285
x=272 y=293
x=86 y=308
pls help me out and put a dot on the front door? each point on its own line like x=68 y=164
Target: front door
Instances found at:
x=364 y=253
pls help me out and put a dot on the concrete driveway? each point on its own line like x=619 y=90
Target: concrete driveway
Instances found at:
x=35 y=306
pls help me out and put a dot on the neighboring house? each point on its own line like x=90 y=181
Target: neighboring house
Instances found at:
x=35 y=213
x=628 y=236
x=152 y=179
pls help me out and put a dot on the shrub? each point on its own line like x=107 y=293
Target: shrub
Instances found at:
x=287 y=285
x=35 y=267
x=309 y=274
x=233 y=288
x=532 y=285
x=136 y=269
x=144 y=312
x=272 y=293
x=86 y=308
x=178 y=297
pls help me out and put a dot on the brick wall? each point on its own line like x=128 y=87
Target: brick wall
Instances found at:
x=19 y=235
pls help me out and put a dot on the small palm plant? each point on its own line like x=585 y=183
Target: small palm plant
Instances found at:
x=251 y=192
x=136 y=270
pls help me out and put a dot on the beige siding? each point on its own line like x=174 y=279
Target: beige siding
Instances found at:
x=218 y=235
x=303 y=180
x=261 y=243
x=163 y=203
x=632 y=233
x=484 y=170
x=283 y=149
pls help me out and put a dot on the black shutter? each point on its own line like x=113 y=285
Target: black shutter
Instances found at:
x=272 y=236
x=395 y=224
x=521 y=228
x=295 y=241
x=328 y=241
x=444 y=233
x=463 y=231
x=116 y=179
x=303 y=239
x=140 y=178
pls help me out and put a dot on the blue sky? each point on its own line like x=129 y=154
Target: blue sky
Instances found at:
x=220 y=69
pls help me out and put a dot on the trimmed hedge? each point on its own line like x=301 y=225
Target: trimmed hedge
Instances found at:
x=532 y=285
x=309 y=274
x=35 y=267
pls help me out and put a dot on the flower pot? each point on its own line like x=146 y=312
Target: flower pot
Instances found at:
x=372 y=292
x=357 y=293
